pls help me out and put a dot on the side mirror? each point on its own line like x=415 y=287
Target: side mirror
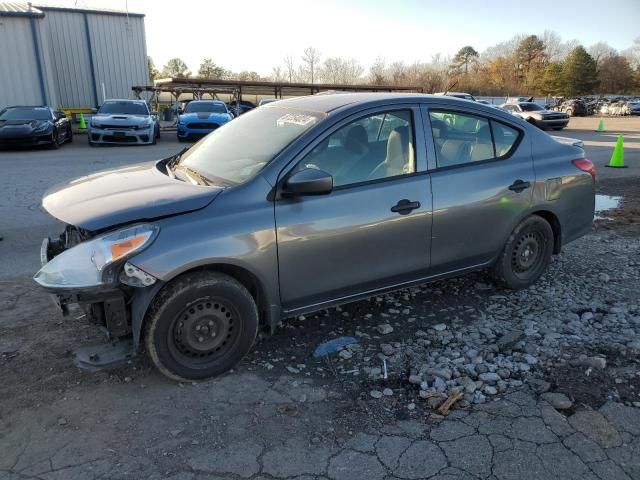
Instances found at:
x=59 y=115
x=94 y=110
x=309 y=181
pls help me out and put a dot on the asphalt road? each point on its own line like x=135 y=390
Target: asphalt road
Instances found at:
x=27 y=174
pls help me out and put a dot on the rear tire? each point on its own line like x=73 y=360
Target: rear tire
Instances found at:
x=199 y=326
x=526 y=255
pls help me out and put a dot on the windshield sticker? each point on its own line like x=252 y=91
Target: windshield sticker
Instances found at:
x=295 y=119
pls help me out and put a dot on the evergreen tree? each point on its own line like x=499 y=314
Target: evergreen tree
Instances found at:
x=579 y=73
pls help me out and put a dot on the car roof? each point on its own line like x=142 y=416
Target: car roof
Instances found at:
x=207 y=101
x=132 y=100
x=27 y=106
x=330 y=102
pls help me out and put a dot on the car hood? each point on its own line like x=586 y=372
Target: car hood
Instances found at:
x=23 y=123
x=212 y=117
x=123 y=120
x=114 y=197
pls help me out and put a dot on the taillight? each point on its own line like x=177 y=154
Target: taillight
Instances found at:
x=585 y=165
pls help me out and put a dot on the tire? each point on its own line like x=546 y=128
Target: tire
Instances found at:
x=158 y=133
x=91 y=144
x=54 y=145
x=569 y=111
x=526 y=255
x=70 y=135
x=179 y=320
x=558 y=128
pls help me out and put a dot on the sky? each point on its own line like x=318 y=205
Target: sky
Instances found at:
x=257 y=34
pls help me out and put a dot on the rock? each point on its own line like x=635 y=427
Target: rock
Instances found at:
x=292 y=369
x=376 y=393
x=345 y=354
x=586 y=316
x=387 y=349
x=62 y=421
x=384 y=329
x=530 y=359
x=444 y=373
x=440 y=327
x=411 y=406
x=596 y=362
x=175 y=433
x=387 y=392
x=439 y=384
x=489 y=390
x=509 y=339
x=603 y=277
x=435 y=402
x=490 y=377
x=557 y=400
x=415 y=379
x=634 y=345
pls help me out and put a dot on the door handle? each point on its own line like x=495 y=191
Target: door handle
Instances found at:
x=519 y=186
x=404 y=206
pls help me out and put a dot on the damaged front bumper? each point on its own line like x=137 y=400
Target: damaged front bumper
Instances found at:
x=115 y=300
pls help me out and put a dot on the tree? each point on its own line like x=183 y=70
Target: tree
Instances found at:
x=551 y=81
x=465 y=56
x=277 y=74
x=339 y=70
x=530 y=58
x=290 y=67
x=153 y=71
x=579 y=73
x=378 y=72
x=311 y=59
x=601 y=50
x=209 y=70
x=616 y=75
x=175 y=67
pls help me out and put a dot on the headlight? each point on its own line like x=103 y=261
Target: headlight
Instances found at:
x=87 y=264
x=95 y=125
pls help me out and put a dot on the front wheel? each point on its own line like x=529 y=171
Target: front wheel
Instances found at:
x=200 y=326
x=526 y=255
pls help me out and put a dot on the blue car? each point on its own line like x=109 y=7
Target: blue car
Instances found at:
x=201 y=117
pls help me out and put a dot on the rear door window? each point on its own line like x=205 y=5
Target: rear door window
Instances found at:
x=462 y=138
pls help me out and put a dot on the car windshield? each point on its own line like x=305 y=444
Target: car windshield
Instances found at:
x=235 y=152
x=25 y=113
x=205 y=107
x=530 y=107
x=124 y=108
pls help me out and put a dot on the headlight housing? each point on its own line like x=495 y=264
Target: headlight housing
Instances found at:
x=42 y=127
x=89 y=264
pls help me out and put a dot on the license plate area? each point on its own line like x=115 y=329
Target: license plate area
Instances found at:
x=119 y=134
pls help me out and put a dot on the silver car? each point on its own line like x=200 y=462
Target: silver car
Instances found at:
x=537 y=115
x=306 y=204
x=128 y=122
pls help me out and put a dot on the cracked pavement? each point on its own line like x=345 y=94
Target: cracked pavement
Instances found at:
x=245 y=426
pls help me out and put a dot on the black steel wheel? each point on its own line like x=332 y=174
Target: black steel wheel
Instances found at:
x=200 y=326
x=527 y=253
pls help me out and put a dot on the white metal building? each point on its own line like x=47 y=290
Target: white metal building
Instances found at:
x=69 y=58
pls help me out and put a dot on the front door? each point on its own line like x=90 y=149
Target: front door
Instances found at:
x=373 y=229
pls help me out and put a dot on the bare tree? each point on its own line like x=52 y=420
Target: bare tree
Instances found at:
x=600 y=51
x=378 y=71
x=311 y=59
x=277 y=74
x=290 y=67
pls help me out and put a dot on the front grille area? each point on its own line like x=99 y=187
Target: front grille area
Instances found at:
x=202 y=126
x=119 y=127
x=111 y=138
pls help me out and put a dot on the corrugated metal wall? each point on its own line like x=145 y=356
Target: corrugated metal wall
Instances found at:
x=119 y=54
x=115 y=46
x=19 y=74
x=69 y=53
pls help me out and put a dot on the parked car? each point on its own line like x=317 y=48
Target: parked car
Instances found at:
x=634 y=108
x=266 y=101
x=303 y=205
x=39 y=125
x=238 y=109
x=201 y=117
x=124 y=122
x=537 y=115
x=573 y=107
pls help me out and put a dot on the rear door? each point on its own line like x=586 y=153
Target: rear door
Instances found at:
x=482 y=180
x=373 y=230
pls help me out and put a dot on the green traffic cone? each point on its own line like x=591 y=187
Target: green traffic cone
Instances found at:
x=600 y=126
x=617 y=158
x=83 y=124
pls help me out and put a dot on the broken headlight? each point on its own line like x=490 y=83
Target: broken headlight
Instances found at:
x=88 y=264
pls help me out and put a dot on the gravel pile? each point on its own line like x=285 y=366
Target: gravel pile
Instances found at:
x=465 y=335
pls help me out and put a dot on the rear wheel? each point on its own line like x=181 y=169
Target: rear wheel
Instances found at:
x=200 y=326
x=526 y=255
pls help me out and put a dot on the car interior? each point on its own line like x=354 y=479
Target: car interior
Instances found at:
x=372 y=148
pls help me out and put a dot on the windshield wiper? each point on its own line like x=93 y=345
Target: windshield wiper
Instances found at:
x=195 y=177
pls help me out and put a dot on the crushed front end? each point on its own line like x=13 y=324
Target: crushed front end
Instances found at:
x=90 y=272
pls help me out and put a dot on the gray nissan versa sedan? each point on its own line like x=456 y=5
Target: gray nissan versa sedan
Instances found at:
x=301 y=205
